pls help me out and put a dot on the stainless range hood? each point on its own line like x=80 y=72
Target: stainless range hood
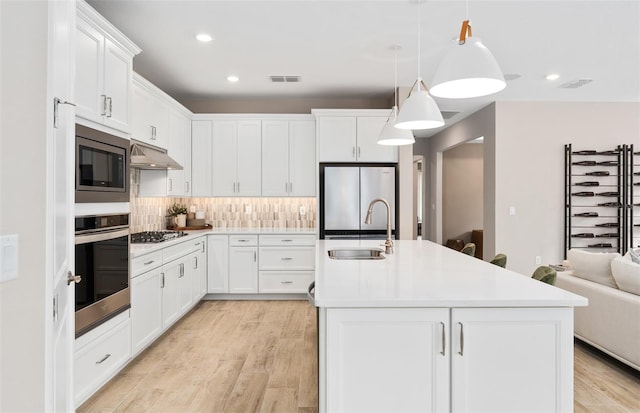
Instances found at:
x=144 y=156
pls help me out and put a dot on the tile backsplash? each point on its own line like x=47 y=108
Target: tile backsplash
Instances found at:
x=150 y=214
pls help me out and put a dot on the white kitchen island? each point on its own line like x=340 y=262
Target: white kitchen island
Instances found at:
x=431 y=329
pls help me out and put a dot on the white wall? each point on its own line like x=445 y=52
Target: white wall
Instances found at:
x=529 y=169
x=23 y=76
x=462 y=193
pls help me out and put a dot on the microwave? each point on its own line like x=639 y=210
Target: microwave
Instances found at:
x=102 y=166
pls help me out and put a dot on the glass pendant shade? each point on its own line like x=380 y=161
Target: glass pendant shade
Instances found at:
x=391 y=135
x=468 y=70
x=419 y=111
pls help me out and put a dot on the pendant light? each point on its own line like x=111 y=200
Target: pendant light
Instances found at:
x=468 y=70
x=391 y=135
x=419 y=111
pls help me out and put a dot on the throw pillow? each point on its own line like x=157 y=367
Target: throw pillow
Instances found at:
x=593 y=266
x=635 y=256
x=626 y=274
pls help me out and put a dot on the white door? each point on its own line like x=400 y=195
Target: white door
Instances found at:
x=512 y=360
x=146 y=309
x=185 y=277
x=169 y=284
x=60 y=323
x=302 y=158
x=387 y=360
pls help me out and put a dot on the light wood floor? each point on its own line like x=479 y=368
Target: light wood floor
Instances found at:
x=260 y=356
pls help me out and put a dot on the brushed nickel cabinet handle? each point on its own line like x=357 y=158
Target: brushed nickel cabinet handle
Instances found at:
x=110 y=107
x=286 y=282
x=104 y=105
x=255 y=258
x=103 y=359
x=444 y=339
x=461 y=352
x=162 y=279
x=286 y=258
x=149 y=262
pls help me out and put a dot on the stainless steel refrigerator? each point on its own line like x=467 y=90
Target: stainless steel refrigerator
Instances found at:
x=345 y=193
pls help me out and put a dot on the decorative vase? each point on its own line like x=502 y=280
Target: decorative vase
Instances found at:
x=181 y=220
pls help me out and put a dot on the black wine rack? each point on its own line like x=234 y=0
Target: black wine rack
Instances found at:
x=602 y=191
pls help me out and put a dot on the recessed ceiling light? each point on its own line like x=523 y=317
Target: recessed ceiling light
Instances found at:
x=203 y=37
x=552 y=76
x=232 y=78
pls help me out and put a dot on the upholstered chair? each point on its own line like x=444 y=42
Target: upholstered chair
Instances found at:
x=469 y=249
x=500 y=260
x=545 y=274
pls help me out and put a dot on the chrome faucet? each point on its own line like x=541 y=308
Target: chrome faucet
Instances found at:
x=388 y=244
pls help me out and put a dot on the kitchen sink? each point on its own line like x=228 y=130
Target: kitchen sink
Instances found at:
x=356 y=254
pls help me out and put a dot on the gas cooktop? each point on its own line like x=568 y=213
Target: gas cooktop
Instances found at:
x=155 y=236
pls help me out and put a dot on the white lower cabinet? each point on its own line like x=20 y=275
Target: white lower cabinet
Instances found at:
x=441 y=360
x=287 y=263
x=146 y=308
x=100 y=354
x=199 y=267
x=169 y=285
x=218 y=264
x=387 y=360
x=243 y=264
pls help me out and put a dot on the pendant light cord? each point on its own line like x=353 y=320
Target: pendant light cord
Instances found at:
x=419 y=47
x=395 y=75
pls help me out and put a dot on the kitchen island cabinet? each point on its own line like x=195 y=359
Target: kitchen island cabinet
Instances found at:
x=431 y=329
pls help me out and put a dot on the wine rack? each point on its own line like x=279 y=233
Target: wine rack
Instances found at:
x=601 y=190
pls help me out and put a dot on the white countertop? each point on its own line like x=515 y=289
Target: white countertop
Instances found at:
x=425 y=274
x=137 y=250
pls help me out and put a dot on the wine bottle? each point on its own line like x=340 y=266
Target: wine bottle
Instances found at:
x=598 y=173
x=607 y=163
x=607 y=194
x=607 y=224
x=584 y=193
x=587 y=152
x=586 y=214
x=611 y=204
x=584 y=163
x=601 y=245
x=608 y=235
x=587 y=183
x=583 y=235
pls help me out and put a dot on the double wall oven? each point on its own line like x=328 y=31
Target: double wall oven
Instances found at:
x=102 y=230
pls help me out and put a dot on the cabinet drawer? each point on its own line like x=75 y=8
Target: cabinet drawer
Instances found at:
x=243 y=240
x=285 y=282
x=279 y=240
x=144 y=263
x=180 y=250
x=99 y=360
x=291 y=258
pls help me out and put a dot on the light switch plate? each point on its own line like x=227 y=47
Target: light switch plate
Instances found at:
x=303 y=210
x=8 y=257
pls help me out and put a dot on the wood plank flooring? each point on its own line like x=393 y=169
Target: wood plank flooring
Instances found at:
x=260 y=356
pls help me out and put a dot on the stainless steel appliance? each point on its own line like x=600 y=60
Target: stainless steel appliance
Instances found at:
x=155 y=236
x=345 y=193
x=102 y=262
x=102 y=166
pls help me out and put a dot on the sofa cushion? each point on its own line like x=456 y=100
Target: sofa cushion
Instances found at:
x=593 y=266
x=635 y=255
x=627 y=274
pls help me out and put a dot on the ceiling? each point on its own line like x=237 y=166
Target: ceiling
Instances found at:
x=343 y=49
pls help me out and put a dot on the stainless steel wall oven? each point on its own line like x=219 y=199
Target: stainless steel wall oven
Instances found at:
x=102 y=166
x=102 y=260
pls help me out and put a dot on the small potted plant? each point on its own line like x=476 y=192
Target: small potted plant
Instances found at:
x=178 y=213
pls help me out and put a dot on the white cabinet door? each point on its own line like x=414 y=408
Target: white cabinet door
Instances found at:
x=199 y=263
x=249 y=156
x=387 y=360
x=243 y=270
x=512 y=360
x=337 y=139
x=275 y=158
x=201 y=158
x=368 y=150
x=142 y=118
x=179 y=148
x=302 y=158
x=224 y=159
x=170 y=273
x=185 y=280
x=146 y=308
x=89 y=71
x=217 y=264
x=118 y=67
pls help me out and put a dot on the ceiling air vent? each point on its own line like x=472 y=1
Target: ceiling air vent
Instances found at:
x=574 y=84
x=285 y=79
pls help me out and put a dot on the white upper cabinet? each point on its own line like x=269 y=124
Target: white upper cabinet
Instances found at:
x=179 y=148
x=236 y=157
x=104 y=66
x=150 y=114
x=201 y=153
x=351 y=136
x=288 y=158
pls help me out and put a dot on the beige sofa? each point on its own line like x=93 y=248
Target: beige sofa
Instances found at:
x=611 y=321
